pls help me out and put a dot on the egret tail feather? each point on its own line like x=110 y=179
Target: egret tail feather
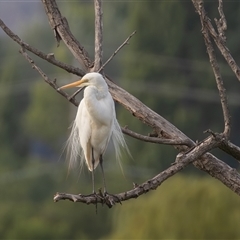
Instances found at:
x=119 y=142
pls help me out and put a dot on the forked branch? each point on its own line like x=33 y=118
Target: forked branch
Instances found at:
x=48 y=57
x=45 y=77
x=218 y=78
x=61 y=29
x=218 y=39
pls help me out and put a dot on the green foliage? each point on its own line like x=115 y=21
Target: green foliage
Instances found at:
x=183 y=208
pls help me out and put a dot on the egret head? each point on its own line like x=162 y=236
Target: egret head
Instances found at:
x=94 y=79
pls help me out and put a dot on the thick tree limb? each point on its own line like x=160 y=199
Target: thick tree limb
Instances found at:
x=60 y=26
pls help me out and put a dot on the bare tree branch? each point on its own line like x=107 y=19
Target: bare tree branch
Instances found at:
x=98 y=35
x=45 y=77
x=222 y=22
x=181 y=162
x=231 y=149
x=61 y=28
x=198 y=4
x=156 y=139
x=48 y=57
x=118 y=49
x=219 y=81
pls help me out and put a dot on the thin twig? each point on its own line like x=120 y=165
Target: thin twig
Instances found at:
x=156 y=139
x=45 y=77
x=98 y=35
x=198 y=4
x=220 y=86
x=76 y=93
x=217 y=74
x=48 y=57
x=118 y=49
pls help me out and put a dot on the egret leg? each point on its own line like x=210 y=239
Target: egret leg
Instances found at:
x=101 y=165
x=93 y=162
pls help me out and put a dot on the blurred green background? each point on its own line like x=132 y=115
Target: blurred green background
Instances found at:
x=167 y=68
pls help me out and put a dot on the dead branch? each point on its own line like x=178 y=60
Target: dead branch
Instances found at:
x=218 y=78
x=45 y=77
x=199 y=6
x=61 y=28
x=117 y=50
x=230 y=149
x=98 y=36
x=222 y=22
x=182 y=160
x=48 y=57
x=158 y=140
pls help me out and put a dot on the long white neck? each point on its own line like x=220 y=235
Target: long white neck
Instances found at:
x=93 y=92
x=100 y=105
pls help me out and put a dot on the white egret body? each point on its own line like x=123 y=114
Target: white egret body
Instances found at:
x=94 y=125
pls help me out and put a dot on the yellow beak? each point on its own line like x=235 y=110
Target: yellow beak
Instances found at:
x=74 y=84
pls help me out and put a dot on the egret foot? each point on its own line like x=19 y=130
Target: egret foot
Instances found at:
x=111 y=199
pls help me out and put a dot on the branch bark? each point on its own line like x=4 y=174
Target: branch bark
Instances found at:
x=61 y=29
x=45 y=77
x=48 y=57
x=98 y=35
x=217 y=74
x=218 y=39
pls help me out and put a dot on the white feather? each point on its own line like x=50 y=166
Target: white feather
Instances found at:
x=94 y=125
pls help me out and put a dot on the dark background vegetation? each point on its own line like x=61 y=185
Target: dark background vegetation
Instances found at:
x=167 y=68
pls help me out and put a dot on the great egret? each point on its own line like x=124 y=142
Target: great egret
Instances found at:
x=94 y=125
